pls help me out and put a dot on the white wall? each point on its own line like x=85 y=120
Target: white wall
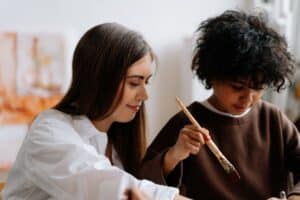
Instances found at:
x=166 y=24
x=297 y=32
x=284 y=18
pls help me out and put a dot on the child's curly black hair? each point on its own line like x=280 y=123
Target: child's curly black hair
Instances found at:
x=236 y=45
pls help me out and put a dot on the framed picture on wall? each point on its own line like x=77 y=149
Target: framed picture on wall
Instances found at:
x=33 y=75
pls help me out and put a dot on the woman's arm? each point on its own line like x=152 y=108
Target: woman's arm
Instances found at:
x=61 y=164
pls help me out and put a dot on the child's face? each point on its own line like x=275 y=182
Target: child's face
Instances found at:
x=234 y=97
x=135 y=91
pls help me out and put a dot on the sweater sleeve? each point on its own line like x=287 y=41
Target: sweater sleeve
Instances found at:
x=292 y=140
x=152 y=165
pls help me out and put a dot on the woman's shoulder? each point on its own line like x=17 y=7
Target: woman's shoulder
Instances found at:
x=51 y=123
x=52 y=116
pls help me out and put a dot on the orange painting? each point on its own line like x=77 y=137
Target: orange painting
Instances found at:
x=32 y=74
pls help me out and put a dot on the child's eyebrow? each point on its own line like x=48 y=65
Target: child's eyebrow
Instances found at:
x=243 y=82
x=249 y=84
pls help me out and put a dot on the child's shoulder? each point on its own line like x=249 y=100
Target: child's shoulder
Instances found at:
x=181 y=116
x=268 y=110
x=266 y=106
x=195 y=105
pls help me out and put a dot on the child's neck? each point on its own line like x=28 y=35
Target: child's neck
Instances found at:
x=210 y=104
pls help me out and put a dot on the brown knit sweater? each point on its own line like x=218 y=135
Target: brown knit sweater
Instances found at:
x=263 y=146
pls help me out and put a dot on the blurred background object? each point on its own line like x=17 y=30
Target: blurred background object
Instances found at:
x=283 y=16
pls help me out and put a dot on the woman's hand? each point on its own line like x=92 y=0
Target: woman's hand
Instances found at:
x=136 y=194
x=180 y=197
x=294 y=197
x=190 y=141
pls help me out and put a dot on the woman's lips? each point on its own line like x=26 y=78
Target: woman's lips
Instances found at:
x=134 y=108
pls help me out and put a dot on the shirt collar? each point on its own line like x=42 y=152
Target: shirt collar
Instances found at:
x=214 y=109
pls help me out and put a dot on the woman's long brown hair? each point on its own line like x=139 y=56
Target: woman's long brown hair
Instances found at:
x=100 y=63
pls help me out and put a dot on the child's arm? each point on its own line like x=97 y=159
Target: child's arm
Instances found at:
x=162 y=162
x=189 y=141
x=292 y=146
x=152 y=165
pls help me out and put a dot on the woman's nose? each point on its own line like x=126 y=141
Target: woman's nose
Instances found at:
x=143 y=94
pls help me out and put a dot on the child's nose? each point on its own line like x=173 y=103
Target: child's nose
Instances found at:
x=248 y=95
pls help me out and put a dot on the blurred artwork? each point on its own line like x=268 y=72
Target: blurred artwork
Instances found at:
x=293 y=99
x=32 y=74
x=297 y=89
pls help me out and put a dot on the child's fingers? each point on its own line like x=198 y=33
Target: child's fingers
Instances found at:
x=193 y=142
x=202 y=130
x=192 y=146
x=189 y=142
x=193 y=135
x=205 y=133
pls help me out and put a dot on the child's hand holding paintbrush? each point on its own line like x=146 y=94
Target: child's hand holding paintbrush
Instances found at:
x=191 y=139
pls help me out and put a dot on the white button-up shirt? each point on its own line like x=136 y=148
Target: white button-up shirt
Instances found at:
x=63 y=157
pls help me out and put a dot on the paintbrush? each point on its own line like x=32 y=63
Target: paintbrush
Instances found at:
x=227 y=166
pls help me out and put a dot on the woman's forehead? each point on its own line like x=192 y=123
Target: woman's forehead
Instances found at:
x=145 y=65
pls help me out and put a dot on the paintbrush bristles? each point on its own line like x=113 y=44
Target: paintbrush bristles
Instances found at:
x=227 y=166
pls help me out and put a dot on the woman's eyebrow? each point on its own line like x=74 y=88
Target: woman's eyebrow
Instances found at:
x=139 y=77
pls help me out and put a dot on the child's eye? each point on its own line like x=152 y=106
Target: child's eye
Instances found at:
x=260 y=87
x=237 y=87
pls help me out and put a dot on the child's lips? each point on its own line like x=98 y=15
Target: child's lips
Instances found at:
x=240 y=107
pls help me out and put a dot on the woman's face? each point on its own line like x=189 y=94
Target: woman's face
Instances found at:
x=234 y=97
x=135 y=91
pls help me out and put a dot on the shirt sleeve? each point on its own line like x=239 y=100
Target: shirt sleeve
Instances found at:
x=58 y=161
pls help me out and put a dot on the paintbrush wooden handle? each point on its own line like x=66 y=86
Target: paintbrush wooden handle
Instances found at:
x=228 y=167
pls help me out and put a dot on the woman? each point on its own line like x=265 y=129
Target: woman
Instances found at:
x=70 y=150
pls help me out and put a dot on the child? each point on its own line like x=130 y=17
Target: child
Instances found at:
x=87 y=145
x=238 y=56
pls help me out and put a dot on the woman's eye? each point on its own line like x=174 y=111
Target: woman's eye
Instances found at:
x=133 y=84
x=148 y=82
